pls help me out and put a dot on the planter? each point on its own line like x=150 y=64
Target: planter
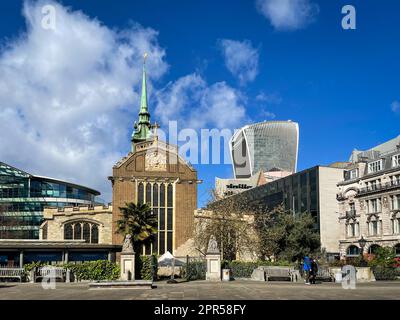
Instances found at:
x=226 y=274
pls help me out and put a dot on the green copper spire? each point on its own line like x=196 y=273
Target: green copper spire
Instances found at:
x=142 y=129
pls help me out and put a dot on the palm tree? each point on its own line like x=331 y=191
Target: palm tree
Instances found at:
x=138 y=221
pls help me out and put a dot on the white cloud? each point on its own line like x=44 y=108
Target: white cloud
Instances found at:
x=241 y=59
x=66 y=97
x=195 y=104
x=272 y=98
x=395 y=106
x=287 y=15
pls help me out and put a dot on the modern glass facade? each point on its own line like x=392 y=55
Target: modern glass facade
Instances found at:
x=24 y=196
x=265 y=146
x=297 y=192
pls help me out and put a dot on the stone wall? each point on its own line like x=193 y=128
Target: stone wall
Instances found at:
x=56 y=218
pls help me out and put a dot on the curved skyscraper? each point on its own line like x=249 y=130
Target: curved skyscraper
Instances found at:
x=269 y=145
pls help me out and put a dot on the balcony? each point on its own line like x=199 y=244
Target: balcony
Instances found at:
x=379 y=187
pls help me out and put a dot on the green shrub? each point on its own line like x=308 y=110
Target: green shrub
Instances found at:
x=385 y=273
x=95 y=270
x=145 y=267
x=29 y=266
x=195 y=270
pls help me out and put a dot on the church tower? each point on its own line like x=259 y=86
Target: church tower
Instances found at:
x=142 y=130
x=154 y=173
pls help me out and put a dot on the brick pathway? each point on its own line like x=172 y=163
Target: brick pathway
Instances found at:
x=234 y=290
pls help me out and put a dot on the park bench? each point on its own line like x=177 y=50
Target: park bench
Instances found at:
x=324 y=274
x=279 y=273
x=12 y=273
x=51 y=272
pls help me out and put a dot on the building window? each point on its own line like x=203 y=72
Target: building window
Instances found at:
x=155 y=195
x=374 y=205
x=86 y=232
x=352 y=229
x=395 y=202
x=375 y=166
x=396 y=161
x=373 y=249
x=82 y=231
x=374 y=227
x=44 y=232
x=354 y=174
x=353 y=251
x=395 y=180
x=68 y=232
x=148 y=194
x=95 y=234
x=140 y=193
x=77 y=231
x=396 y=225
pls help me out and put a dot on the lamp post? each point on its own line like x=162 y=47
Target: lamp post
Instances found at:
x=362 y=242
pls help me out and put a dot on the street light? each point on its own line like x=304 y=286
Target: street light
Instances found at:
x=362 y=242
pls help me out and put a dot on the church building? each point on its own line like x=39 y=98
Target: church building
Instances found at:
x=154 y=173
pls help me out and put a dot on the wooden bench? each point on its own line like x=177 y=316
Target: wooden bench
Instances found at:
x=12 y=273
x=281 y=273
x=51 y=272
x=324 y=274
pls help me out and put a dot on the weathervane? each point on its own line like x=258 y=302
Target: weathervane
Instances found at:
x=144 y=57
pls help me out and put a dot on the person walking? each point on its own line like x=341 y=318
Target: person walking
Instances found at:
x=313 y=271
x=307 y=268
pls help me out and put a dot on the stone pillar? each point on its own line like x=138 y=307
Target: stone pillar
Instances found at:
x=127 y=260
x=213 y=258
x=66 y=257
x=21 y=259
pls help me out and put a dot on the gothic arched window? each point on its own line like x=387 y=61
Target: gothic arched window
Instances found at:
x=95 y=234
x=68 y=232
x=140 y=193
x=86 y=232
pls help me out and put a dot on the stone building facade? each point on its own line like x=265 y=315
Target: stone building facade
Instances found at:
x=155 y=174
x=93 y=224
x=369 y=200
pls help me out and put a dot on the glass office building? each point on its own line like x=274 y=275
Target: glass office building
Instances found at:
x=23 y=197
x=265 y=146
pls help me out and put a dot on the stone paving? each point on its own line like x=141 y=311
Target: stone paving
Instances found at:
x=234 y=290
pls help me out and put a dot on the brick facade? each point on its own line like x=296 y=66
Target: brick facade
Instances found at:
x=156 y=163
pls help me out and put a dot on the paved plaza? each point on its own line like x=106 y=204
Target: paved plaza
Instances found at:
x=234 y=290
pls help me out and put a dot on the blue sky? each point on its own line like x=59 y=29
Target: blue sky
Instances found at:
x=341 y=86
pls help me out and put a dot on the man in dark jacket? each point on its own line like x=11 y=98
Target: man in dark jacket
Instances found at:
x=313 y=271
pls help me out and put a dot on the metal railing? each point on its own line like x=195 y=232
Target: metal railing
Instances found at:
x=379 y=187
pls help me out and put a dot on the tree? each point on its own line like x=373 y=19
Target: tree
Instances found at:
x=285 y=236
x=230 y=220
x=138 y=221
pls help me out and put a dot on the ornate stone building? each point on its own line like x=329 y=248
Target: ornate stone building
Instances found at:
x=369 y=200
x=155 y=174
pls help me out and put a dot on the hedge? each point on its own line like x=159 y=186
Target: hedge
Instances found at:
x=145 y=267
x=385 y=273
x=196 y=270
x=242 y=269
x=95 y=270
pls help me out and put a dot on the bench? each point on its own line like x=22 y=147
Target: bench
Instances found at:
x=324 y=274
x=51 y=272
x=281 y=273
x=12 y=273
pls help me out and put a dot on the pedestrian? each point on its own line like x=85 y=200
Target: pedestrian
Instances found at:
x=307 y=268
x=313 y=271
